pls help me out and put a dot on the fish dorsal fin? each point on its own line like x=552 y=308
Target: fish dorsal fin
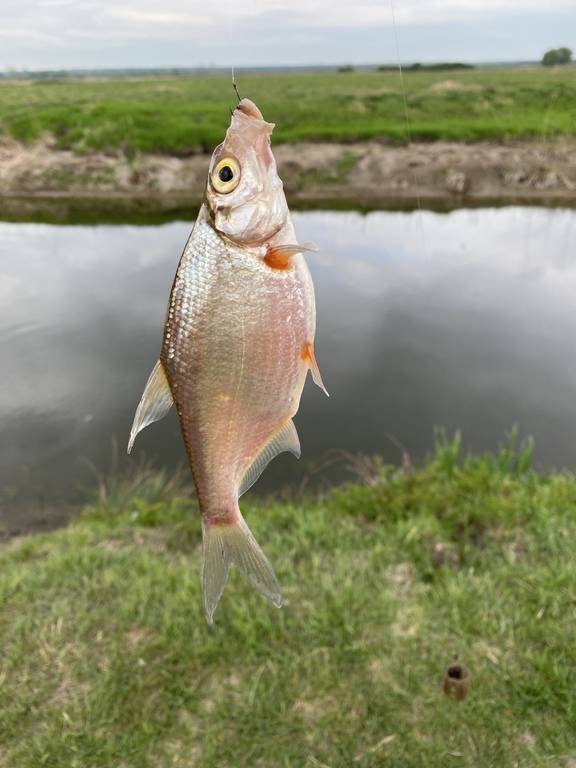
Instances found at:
x=154 y=403
x=286 y=439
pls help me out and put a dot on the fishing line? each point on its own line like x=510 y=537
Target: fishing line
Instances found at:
x=409 y=131
x=231 y=38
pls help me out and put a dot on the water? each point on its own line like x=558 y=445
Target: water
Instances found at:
x=465 y=320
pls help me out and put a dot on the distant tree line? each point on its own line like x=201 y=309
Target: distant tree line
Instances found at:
x=417 y=67
x=448 y=65
x=557 y=56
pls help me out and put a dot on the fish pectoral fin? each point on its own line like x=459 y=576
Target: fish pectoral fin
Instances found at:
x=286 y=439
x=308 y=354
x=154 y=403
x=280 y=256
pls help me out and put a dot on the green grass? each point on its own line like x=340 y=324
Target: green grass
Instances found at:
x=107 y=660
x=179 y=115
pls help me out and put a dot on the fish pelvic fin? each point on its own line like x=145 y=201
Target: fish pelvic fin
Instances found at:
x=154 y=404
x=307 y=354
x=227 y=542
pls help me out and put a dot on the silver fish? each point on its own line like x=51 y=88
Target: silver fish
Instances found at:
x=238 y=343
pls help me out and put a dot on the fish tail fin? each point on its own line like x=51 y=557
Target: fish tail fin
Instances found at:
x=230 y=542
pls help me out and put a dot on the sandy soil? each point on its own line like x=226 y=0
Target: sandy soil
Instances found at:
x=368 y=173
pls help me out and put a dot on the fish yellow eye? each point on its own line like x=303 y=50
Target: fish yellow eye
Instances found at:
x=226 y=175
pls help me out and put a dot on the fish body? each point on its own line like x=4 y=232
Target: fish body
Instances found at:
x=234 y=355
x=238 y=343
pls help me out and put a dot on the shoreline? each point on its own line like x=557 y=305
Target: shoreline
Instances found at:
x=367 y=175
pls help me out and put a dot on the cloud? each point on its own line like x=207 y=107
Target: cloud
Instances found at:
x=80 y=33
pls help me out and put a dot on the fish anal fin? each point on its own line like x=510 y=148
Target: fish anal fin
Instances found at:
x=154 y=403
x=286 y=439
x=307 y=354
x=280 y=256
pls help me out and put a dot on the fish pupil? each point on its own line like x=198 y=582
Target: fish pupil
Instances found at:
x=225 y=173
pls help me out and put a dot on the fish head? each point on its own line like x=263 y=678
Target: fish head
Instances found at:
x=244 y=194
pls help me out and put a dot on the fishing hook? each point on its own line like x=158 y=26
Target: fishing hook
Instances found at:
x=235 y=86
x=236 y=91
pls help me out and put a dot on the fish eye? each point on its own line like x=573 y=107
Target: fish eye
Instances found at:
x=226 y=175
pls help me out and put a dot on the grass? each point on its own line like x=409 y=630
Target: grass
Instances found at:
x=107 y=661
x=180 y=115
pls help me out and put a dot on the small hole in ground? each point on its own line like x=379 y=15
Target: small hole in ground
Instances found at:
x=455 y=672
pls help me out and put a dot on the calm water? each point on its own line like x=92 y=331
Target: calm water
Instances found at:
x=465 y=320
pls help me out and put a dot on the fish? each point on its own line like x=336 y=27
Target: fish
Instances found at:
x=237 y=347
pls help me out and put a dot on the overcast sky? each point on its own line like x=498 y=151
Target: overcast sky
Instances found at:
x=47 y=34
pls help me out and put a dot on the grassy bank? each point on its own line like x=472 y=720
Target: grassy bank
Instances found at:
x=107 y=661
x=180 y=115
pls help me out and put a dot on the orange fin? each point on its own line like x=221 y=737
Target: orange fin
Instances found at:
x=308 y=354
x=280 y=256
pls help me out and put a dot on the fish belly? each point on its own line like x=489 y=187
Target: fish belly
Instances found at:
x=234 y=353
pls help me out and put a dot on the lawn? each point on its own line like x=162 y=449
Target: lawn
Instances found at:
x=107 y=660
x=180 y=115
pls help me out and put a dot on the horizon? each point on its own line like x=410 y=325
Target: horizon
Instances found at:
x=207 y=69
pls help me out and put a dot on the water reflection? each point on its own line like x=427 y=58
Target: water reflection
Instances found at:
x=463 y=319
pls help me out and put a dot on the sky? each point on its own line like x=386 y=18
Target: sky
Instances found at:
x=64 y=34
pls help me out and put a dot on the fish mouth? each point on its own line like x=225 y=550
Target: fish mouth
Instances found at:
x=248 y=111
x=248 y=108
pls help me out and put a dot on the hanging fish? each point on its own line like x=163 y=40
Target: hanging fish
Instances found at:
x=238 y=343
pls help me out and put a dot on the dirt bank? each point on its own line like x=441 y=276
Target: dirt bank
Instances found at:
x=369 y=173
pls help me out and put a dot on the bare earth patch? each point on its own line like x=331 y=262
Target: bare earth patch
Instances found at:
x=454 y=85
x=364 y=173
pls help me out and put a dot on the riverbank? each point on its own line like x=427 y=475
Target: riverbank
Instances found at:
x=358 y=174
x=107 y=660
